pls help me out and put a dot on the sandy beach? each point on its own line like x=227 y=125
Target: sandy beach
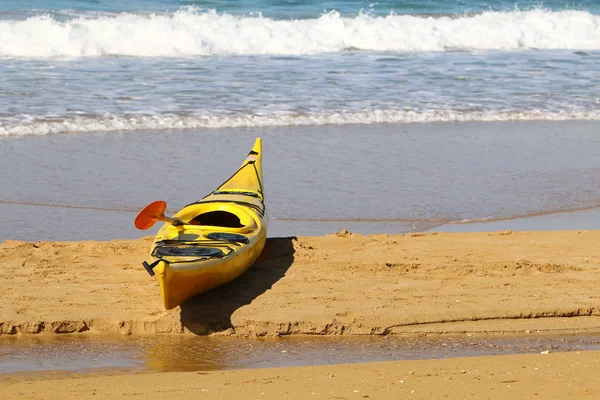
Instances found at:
x=339 y=284
x=431 y=177
x=489 y=283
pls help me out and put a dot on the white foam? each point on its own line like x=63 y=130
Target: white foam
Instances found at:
x=192 y=32
x=82 y=124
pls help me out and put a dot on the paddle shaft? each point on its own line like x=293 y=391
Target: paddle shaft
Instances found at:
x=172 y=221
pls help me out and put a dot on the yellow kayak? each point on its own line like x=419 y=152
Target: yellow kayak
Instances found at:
x=213 y=240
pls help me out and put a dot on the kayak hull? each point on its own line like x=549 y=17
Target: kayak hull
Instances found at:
x=216 y=239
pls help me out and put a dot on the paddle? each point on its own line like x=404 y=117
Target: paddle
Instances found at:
x=151 y=213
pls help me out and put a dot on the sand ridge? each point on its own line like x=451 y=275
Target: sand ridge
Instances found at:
x=341 y=284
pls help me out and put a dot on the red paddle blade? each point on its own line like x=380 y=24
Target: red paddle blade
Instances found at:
x=150 y=214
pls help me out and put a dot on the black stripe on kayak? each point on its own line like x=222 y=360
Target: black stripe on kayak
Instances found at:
x=234 y=238
x=201 y=242
x=188 y=251
x=252 y=194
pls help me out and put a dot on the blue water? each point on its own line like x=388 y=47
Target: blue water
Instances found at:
x=192 y=70
x=86 y=66
x=299 y=9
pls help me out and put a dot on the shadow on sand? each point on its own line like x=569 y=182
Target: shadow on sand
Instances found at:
x=211 y=311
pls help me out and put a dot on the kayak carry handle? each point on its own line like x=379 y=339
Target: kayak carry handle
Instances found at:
x=150 y=267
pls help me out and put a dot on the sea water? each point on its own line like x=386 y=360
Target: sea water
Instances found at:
x=57 y=356
x=400 y=114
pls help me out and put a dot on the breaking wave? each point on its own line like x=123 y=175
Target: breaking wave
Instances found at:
x=108 y=123
x=195 y=32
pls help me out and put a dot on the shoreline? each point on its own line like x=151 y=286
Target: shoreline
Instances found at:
x=557 y=376
x=580 y=219
x=46 y=356
x=584 y=219
x=423 y=175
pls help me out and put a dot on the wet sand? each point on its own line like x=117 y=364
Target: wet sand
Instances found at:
x=471 y=284
x=50 y=356
x=413 y=177
x=556 y=376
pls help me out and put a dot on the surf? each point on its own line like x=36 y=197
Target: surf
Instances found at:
x=123 y=123
x=193 y=32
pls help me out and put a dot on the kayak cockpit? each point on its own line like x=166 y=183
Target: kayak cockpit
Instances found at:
x=226 y=217
x=218 y=218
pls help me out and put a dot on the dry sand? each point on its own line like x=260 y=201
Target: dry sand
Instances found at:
x=342 y=284
x=338 y=284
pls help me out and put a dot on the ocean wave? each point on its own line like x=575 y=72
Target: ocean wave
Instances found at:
x=115 y=123
x=194 y=32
